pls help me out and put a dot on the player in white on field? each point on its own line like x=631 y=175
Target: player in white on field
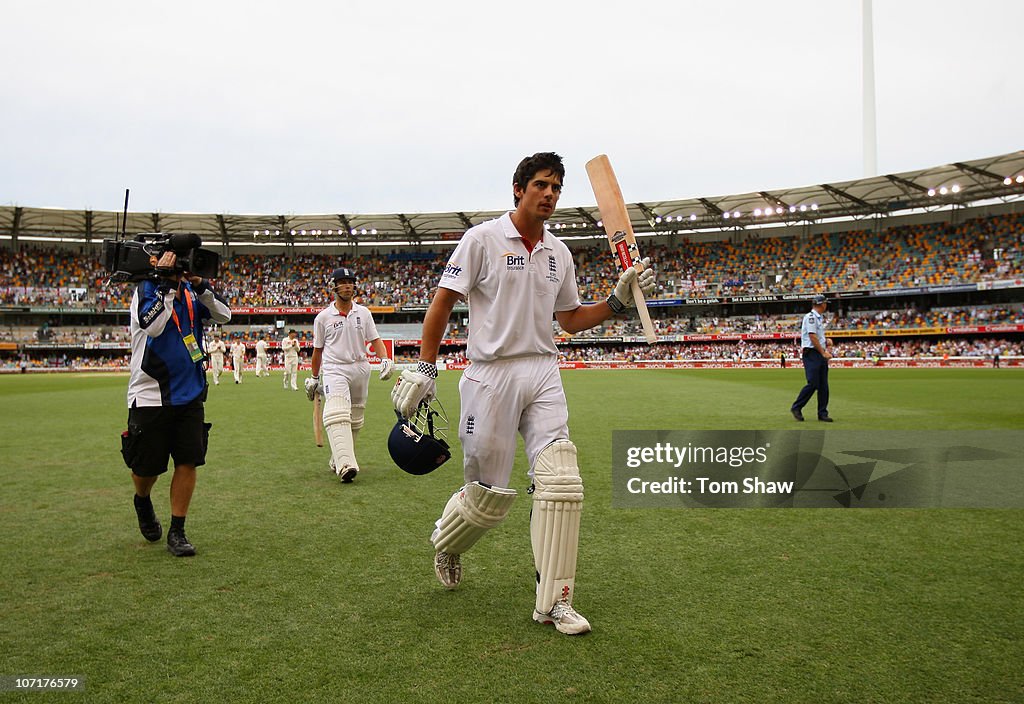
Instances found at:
x=340 y=334
x=516 y=276
x=217 y=350
x=237 y=359
x=290 y=346
x=262 y=357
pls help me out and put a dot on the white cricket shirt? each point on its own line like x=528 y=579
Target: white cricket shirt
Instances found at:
x=343 y=338
x=291 y=348
x=513 y=294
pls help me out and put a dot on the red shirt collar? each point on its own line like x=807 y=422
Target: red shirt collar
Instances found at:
x=334 y=305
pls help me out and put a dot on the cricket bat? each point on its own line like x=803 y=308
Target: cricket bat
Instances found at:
x=619 y=230
x=318 y=417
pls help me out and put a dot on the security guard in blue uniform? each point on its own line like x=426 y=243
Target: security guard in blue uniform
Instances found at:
x=815 y=358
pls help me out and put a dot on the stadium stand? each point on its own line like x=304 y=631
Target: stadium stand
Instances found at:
x=57 y=310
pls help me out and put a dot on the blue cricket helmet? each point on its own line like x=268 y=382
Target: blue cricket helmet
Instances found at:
x=417 y=445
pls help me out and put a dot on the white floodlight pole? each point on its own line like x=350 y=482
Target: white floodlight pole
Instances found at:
x=870 y=144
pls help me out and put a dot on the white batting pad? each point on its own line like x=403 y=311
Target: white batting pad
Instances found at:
x=338 y=427
x=358 y=413
x=555 y=522
x=472 y=511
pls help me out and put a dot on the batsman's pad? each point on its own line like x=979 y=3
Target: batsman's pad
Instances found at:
x=472 y=511
x=358 y=415
x=338 y=426
x=555 y=522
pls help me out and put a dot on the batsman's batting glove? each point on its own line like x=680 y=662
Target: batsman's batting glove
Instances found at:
x=386 y=367
x=312 y=387
x=622 y=297
x=414 y=387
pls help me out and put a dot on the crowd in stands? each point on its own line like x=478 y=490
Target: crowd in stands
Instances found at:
x=904 y=255
x=936 y=317
x=776 y=350
x=975 y=250
x=970 y=347
x=865 y=321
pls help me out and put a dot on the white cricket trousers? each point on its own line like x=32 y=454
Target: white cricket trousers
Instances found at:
x=291 y=372
x=352 y=381
x=217 y=360
x=500 y=398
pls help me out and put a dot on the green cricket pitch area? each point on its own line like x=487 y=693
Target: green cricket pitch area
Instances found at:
x=307 y=590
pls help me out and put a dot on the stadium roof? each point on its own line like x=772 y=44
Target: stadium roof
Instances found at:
x=961 y=183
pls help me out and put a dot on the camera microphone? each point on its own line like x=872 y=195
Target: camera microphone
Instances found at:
x=183 y=242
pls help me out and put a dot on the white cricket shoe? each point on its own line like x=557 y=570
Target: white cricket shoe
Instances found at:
x=330 y=465
x=565 y=618
x=348 y=473
x=448 y=568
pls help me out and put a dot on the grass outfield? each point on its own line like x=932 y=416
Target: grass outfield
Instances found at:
x=310 y=591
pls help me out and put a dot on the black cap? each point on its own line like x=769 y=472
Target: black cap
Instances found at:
x=819 y=299
x=343 y=274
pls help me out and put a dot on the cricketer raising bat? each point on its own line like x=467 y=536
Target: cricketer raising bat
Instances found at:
x=318 y=415
x=620 y=231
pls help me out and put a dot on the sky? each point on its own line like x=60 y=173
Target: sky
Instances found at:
x=305 y=107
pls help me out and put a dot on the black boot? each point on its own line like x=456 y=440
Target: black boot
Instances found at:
x=178 y=545
x=149 y=524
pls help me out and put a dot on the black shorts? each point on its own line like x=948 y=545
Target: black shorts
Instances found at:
x=158 y=433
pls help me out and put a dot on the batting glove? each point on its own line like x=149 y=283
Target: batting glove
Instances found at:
x=622 y=297
x=386 y=367
x=312 y=387
x=414 y=387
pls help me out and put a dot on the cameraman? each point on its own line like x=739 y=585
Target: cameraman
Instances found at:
x=167 y=390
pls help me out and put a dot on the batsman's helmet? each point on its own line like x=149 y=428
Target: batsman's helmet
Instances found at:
x=417 y=444
x=343 y=274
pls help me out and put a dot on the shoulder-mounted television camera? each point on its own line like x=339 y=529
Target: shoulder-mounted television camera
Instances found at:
x=129 y=260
